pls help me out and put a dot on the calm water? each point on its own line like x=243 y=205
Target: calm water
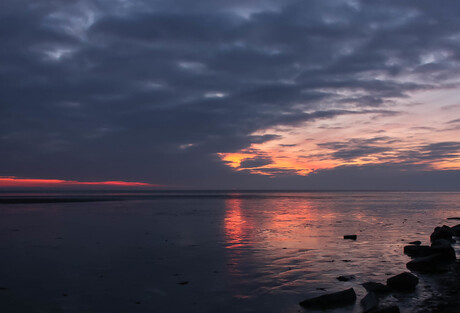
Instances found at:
x=238 y=252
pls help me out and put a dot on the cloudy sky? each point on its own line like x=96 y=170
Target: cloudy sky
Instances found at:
x=231 y=94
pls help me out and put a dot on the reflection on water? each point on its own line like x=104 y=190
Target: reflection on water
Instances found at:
x=260 y=252
x=291 y=246
x=235 y=230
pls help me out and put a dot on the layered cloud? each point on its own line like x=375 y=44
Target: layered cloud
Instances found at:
x=195 y=93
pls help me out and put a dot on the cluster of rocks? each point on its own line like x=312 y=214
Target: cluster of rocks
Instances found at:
x=438 y=257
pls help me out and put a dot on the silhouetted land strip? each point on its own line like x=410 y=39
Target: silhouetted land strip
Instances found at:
x=51 y=200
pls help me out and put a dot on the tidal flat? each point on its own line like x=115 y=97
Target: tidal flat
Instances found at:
x=216 y=251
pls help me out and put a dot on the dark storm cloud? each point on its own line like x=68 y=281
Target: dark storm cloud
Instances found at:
x=151 y=90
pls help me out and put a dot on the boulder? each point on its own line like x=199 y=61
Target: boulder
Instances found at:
x=417 y=242
x=331 y=300
x=443 y=248
x=376 y=287
x=428 y=264
x=416 y=250
x=352 y=237
x=389 y=309
x=403 y=282
x=369 y=302
x=456 y=230
x=443 y=232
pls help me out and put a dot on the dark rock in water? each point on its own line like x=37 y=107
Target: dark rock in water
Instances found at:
x=456 y=230
x=415 y=251
x=453 y=218
x=369 y=302
x=331 y=300
x=441 y=243
x=376 y=287
x=443 y=232
x=428 y=264
x=183 y=283
x=389 y=309
x=417 y=242
x=444 y=249
x=352 y=237
x=346 y=277
x=403 y=282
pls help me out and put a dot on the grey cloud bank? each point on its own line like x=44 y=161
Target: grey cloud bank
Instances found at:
x=153 y=90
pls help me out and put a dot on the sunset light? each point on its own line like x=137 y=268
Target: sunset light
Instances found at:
x=11 y=181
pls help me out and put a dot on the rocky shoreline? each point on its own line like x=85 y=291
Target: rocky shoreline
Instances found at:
x=438 y=260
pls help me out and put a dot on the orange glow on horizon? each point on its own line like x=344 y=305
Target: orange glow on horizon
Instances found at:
x=12 y=181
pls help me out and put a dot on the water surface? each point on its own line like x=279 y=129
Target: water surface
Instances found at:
x=209 y=252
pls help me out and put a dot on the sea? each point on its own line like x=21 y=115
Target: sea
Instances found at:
x=209 y=251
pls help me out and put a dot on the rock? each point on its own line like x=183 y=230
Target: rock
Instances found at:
x=453 y=218
x=389 y=309
x=403 y=282
x=346 y=277
x=416 y=251
x=443 y=232
x=183 y=283
x=331 y=300
x=417 y=242
x=369 y=302
x=441 y=243
x=444 y=249
x=428 y=264
x=376 y=287
x=352 y=237
x=456 y=230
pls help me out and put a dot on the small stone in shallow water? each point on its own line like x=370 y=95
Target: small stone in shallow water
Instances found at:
x=183 y=283
x=331 y=300
x=352 y=237
x=403 y=282
x=417 y=243
x=346 y=277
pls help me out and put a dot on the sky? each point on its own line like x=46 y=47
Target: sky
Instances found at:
x=214 y=94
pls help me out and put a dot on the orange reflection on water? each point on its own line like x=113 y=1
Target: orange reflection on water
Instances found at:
x=234 y=223
x=275 y=223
